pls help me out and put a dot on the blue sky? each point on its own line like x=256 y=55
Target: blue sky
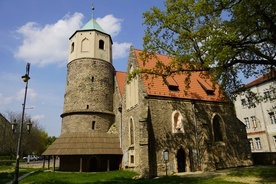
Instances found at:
x=37 y=31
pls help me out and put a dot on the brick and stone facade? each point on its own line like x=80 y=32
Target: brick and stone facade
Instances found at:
x=194 y=147
x=111 y=123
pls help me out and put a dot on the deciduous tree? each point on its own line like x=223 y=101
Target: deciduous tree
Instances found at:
x=226 y=40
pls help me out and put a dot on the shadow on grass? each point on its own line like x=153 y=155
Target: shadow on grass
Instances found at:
x=264 y=173
x=126 y=179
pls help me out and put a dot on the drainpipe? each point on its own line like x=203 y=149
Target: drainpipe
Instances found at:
x=196 y=136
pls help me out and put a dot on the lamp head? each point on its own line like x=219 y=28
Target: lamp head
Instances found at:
x=25 y=78
x=29 y=126
x=14 y=125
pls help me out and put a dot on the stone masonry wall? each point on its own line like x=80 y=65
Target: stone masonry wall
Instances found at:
x=88 y=96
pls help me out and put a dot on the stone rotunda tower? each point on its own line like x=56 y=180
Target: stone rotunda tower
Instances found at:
x=84 y=143
x=88 y=100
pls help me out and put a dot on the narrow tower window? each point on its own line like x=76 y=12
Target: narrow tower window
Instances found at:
x=92 y=79
x=72 y=47
x=101 y=44
x=93 y=125
x=131 y=131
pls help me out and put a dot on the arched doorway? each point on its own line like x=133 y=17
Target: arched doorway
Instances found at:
x=93 y=165
x=181 y=160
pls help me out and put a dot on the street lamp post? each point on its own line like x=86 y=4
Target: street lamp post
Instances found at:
x=25 y=78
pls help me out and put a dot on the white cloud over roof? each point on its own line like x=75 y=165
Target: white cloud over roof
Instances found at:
x=48 y=44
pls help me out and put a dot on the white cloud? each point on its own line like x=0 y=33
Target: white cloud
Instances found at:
x=38 y=117
x=110 y=24
x=4 y=100
x=48 y=44
x=120 y=50
x=30 y=93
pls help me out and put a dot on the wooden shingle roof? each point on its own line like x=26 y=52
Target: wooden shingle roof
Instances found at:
x=85 y=143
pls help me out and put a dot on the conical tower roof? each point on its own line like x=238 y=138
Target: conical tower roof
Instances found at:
x=92 y=25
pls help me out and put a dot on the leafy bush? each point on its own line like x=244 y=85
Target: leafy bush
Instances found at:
x=5 y=157
x=6 y=162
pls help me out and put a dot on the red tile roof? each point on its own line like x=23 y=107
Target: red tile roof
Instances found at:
x=200 y=88
x=121 y=77
x=262 y=79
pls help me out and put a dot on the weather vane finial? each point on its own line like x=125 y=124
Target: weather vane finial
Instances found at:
x=93 y=11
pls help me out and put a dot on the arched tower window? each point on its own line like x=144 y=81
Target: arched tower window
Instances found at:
x=177 y=122
x=131 y=131
x=101 y=44
x=72 y=47
x=93 y=125
x=85 y=45
x=217 y=128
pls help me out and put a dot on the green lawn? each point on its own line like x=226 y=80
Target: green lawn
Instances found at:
x=7 y=173
x=236 y=175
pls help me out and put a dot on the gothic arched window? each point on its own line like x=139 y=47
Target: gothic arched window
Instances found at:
x=217 y=128
x=85 y=45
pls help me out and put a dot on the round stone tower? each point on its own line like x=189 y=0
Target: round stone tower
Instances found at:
x=88 y=99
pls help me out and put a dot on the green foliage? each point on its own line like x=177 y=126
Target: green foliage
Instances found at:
x=4 y=157
x=32 y=143
x=6 y=162
x=225 y=39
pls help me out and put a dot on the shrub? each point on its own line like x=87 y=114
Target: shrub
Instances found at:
x=6 y=162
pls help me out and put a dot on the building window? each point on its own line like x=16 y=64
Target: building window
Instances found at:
x=177 y=122
x=132 y=159
x=254 y=122
x=247 y=123
x=101 y=44
x=266 y=96
x=258 y=143
x=272 y=117
x=93 y=125
x=243 y=102
x=72 y=47
x=131 y=131
x=251 y=143
x=274 y=139
x=217 y=129
x=250 y=102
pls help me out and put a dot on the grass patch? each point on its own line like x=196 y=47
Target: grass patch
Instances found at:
x=235 y=175
x=7 y=172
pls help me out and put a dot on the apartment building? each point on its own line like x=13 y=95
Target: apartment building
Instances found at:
x=259 y=118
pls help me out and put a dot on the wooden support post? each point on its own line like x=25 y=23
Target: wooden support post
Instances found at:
x=80 y=164
x=43 y=162
x=108 y=164
x=49 y=162
x=54 y=163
